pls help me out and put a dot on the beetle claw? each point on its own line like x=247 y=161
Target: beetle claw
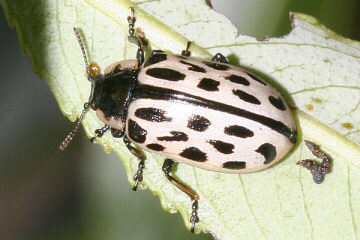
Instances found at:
x=194 y=217
x=135 y=185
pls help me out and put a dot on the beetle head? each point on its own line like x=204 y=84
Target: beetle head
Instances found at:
x=110 y=92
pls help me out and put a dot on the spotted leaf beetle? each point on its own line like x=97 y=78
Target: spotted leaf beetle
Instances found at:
x=208 y=114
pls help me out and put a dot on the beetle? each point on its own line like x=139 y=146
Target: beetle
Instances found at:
x=208 y=114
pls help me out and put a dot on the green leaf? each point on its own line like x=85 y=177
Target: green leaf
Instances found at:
x=315 y=69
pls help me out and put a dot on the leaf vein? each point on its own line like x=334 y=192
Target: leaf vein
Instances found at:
x=353 y=223
x=307 y=214
x=250 y=208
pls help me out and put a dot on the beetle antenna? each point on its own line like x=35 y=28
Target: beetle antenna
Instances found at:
x=71 y=135
x=78 y=36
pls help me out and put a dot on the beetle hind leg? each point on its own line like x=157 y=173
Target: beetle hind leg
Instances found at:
x=167 y=168
x=138 y=177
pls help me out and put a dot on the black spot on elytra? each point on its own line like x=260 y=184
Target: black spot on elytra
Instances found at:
x=268 y=151
x=238 y=131
x=234 y=165
x=246 y=97
x=193 y=67
x=176 y=136
x=223 y=147
x=238 y=79
x=198 y=123
x=194 y=153
x=152 y=114
x=256 y=78
x=209 y=84
x=217 y=66
x=155 y=147
x=278 y=103
x=136 y=133
x=156 y=58
x=166 y=74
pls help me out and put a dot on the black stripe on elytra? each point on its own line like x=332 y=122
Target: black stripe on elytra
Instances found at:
x=166 y=74
x=176 y=136
x=152 y=114
x=156 y=58
x=277 y=102
x=256 y=78
x=198 y=123
x=209 y=84
x=217 y=66
x=223 y=147
x=238 y=79
x=136 y=133
x=238 y=131
x=194 y=154
x=246 y=97
x=193 y=67
x=234 y=165
x=155 y=147
x=152 y=92
x=268 y=151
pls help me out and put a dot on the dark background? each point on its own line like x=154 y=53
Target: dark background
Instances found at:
x=83 y=193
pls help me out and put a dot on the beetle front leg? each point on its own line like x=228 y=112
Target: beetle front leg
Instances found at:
x=99 y=132
x=133 y=39
x=138 y=177
x=317 y=170
x=167 y=168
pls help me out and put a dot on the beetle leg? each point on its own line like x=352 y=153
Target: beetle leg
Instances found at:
x=99 y=132
x=167 y=167
x=317 y=170
x=138 y=177
x=153 y=52
x=186 y=52
x=116 y=133
x=220 y=58
x=133 y=39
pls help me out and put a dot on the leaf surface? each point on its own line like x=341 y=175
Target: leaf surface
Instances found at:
x=316 y=70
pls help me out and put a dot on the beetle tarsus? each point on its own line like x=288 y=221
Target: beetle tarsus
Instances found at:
x=194 y=217
x=318 y=170
x=153 y=52
x=186 y=52
x=220 y=58
x=138 y=177
x=167 y=168
x=133 y=39
x=293 y=136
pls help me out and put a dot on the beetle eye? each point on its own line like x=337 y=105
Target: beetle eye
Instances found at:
x=94 y=69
